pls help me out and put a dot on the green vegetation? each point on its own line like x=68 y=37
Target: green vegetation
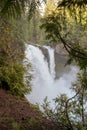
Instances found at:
x=9 y=122
x=25 y=125
x=67 y=25
x=18 y=26
x=70 y=112
x=11 y=60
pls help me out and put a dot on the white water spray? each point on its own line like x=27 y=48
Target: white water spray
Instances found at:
x=51 y=60
x=43 y=81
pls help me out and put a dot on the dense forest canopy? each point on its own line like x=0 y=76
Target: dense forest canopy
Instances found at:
x=15 y=8
x=66 y=24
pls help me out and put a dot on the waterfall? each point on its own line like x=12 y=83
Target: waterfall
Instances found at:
x=51 y=60
x=43 y=73
x=40 y=69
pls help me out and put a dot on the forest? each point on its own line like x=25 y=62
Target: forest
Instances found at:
x=51 y=22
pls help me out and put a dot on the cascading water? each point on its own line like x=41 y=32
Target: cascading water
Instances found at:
x=43 y=81
x=51 y=60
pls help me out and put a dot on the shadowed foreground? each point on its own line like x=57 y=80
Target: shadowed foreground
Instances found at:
x=18 y=114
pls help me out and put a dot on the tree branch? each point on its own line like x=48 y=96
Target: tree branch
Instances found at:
x=66 y=109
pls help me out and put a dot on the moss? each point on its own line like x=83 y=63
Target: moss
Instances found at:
x=9 y=123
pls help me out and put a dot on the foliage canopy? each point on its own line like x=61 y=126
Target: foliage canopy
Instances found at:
x=67 y=25
x=12 y=70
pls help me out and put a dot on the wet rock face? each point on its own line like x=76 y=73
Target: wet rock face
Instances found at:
x=60 y=50
x=45 y=52
x=60 y=59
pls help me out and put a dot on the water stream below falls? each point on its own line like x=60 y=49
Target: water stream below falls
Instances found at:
x=43 y=72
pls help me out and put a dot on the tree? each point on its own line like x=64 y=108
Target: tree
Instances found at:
x=12 y=39
x=12 y=70
x=52 y=5
x=11 y=61
x=59 y=27
x=15 y=8
x=70 y=112
x=68 y=26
